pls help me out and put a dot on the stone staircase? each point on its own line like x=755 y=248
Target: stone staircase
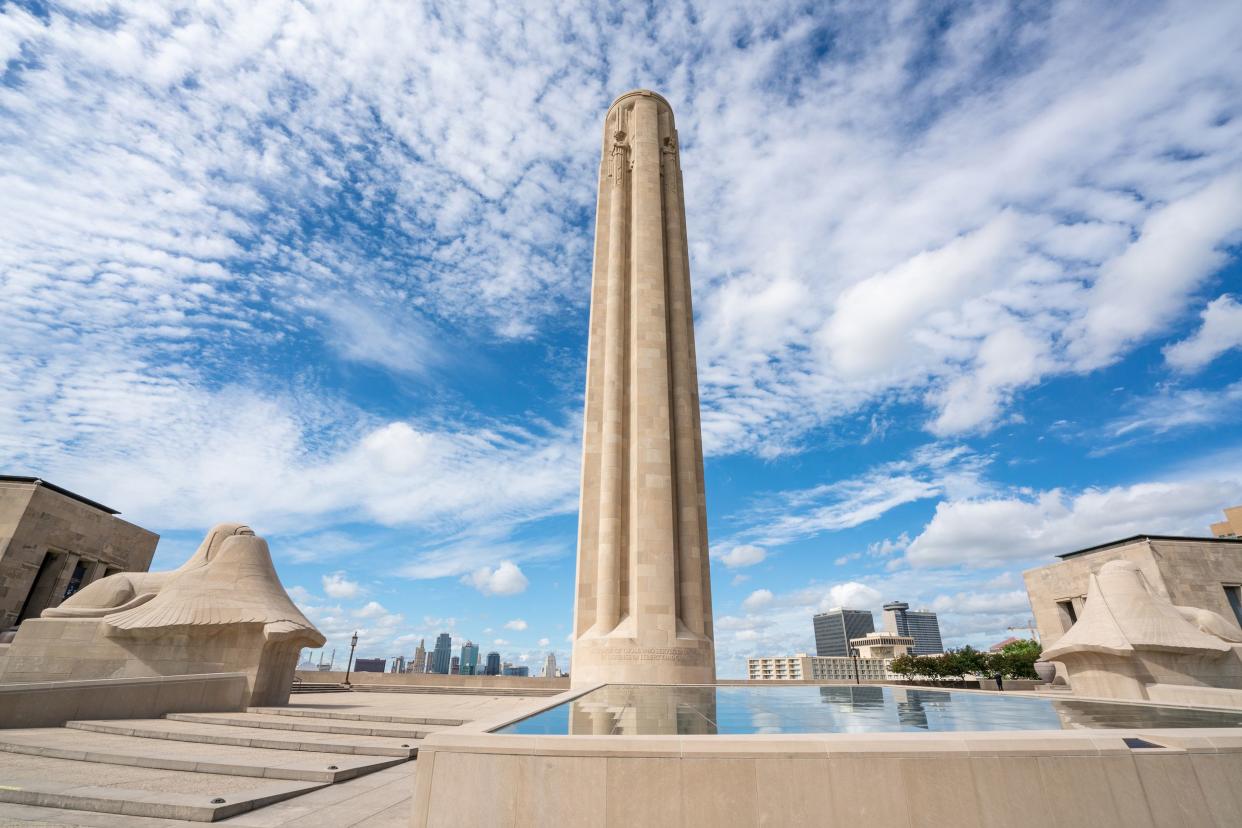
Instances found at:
x=200 y=766
x=318 y=687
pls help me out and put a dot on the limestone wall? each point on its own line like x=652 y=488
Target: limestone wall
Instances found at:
x=1085 y=777
x=434 y=680
x=52 y=703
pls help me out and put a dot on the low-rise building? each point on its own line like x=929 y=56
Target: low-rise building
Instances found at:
x=882 y=645
x=803 y=667
x=778 y=668
x=1231 y=526
x=54 y=542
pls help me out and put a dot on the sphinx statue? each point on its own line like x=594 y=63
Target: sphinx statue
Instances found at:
x=222 y=611
x=1131 y=642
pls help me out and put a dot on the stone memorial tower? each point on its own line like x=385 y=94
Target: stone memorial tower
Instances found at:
x=642 y=609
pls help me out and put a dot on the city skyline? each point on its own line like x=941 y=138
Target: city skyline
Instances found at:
x=966 y=286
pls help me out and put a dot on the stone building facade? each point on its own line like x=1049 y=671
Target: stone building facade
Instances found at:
x=1192 y=572
x=54 y=542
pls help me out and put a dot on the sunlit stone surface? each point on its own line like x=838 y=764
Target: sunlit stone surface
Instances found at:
x=642 y=610
x=223 y=611
x=1133 y=643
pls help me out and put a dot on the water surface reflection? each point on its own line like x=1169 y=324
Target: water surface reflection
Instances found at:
x=620 y=709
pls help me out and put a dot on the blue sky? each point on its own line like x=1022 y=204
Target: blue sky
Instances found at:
x=967 y=287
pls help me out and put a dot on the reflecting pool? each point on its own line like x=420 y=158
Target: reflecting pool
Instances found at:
x=626 y=710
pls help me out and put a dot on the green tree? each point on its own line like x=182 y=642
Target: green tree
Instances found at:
x=971 y=661
x=903 y=665
x=1016 y=660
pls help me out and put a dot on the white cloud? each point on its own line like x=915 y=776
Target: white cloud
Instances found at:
x=543 y=642
x=991 y=532
x=317 y=547
x=505 y=579
x=500 y=642
x=1221 y=331
x=930 y=471
x=379 y=337
x=974 y=603
x=852 y=595
x=373 y=609
x=872 y=328
x=337 y=585
x=1171 y=410
x=166 y=177
x=1025 y=219
x=758 y=599
x=739 y=578
x=1007 y=358
x=300 y=595
x=741 y=556
x=515 y=624
x=1144 y=287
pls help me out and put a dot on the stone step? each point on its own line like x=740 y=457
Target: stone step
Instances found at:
x=306 y=724
x=221 y=734
x=320 y=713
x=295 y=691
x=65 y=743
x=137 y=791
x=308 y=687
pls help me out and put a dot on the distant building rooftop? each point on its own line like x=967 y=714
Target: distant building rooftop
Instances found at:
x=38 y=481
x=1125 y=541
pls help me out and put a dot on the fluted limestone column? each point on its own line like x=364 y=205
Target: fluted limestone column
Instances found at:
x=642 y=608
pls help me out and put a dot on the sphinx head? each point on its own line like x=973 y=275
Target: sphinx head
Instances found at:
x=215 y=538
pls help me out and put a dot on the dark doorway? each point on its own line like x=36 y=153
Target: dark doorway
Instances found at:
x=40 y=594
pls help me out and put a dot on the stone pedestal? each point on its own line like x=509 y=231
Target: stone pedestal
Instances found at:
x=73 y=649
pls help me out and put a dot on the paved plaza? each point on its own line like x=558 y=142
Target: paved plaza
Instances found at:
x=187 y=759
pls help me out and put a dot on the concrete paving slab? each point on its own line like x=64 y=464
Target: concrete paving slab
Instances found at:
x=374 y=800
x=218 y=734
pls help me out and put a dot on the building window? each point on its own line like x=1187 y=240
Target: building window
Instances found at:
x=1233 y=593
x=1068 y=616
x=75 y=580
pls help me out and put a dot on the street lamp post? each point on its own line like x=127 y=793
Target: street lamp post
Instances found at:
x=353 y=642
x=854 y=655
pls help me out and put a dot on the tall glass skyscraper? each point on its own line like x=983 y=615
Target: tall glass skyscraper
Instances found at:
x=835 y=628
x=921 y=625
x=443 y=654
x=493 y=664
x=469 y=658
